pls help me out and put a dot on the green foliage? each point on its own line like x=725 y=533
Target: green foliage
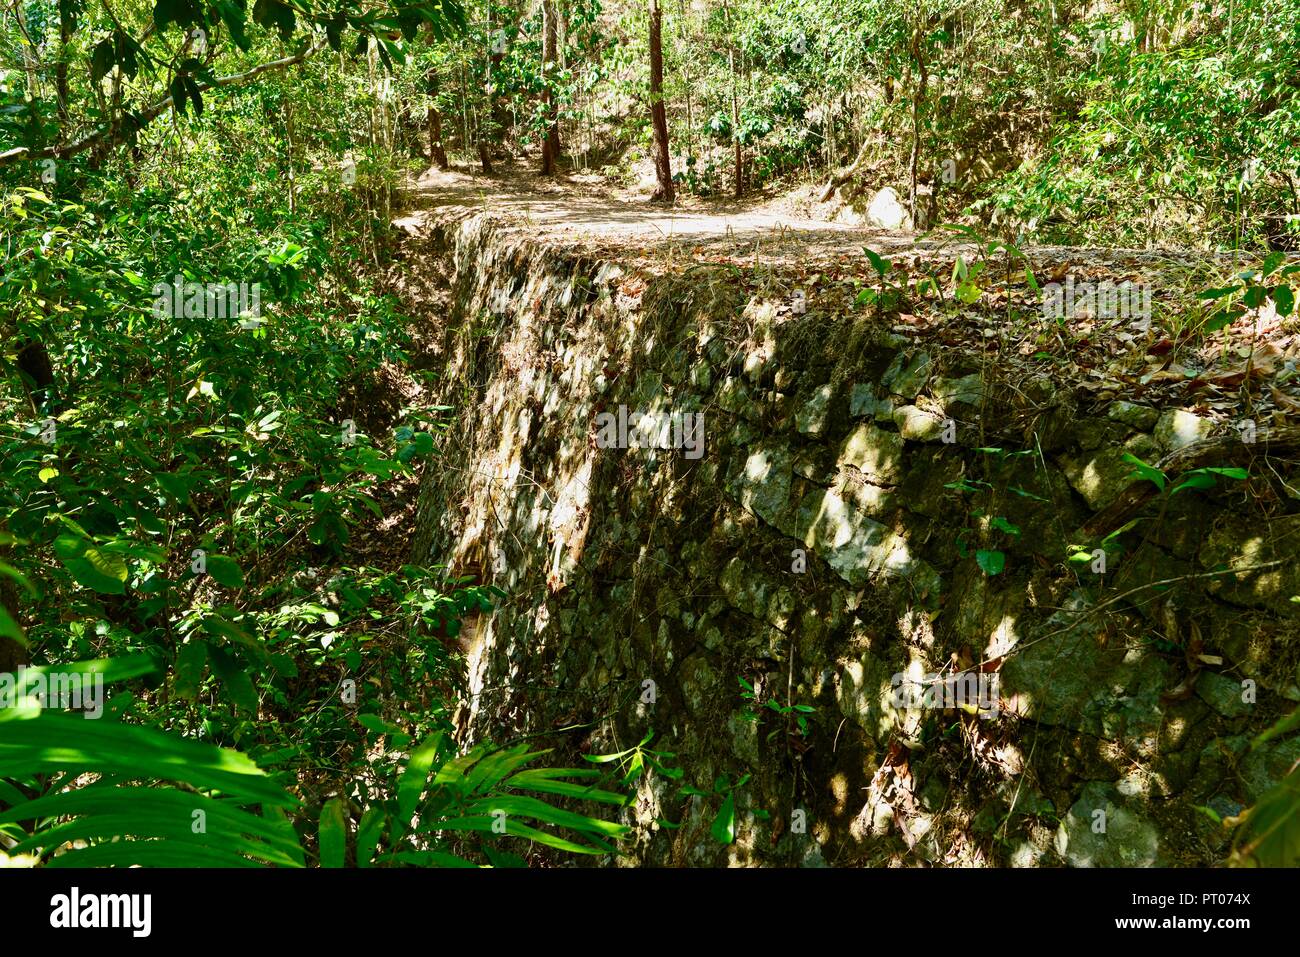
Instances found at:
x=1268 y=834
x=195 y=497
x=795 y=714
x=482 y=795
x=171 y=50
x=723 y=828
x=991 y=561
x=225 y=812
x=458 y=810
x=185 y=489
x=1178 y=127
x=1200 y=479
x=639 y=761
x=1269 y=287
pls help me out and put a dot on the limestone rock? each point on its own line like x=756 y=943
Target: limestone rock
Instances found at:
x=1222 y=694
x=887 y=211
x=906 y=377
x=877 y=454
x=763 y=484
x=967 y=390
x=863 y=401
x=1099 y=477
x=1138 y=416
x=857 y=547
x=1100 y=831
x=811 y=418
x=1238 y=542
x=733 y=396
x=917 y=425
x=1059 y=675
x=1176 y=428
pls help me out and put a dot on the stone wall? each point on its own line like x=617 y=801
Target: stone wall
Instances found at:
x=867 y=504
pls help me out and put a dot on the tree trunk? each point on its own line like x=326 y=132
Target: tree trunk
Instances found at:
x=735 y=105
x=67 y=23
x=492 y=128
x=37 y=371
x=31 y=65
x=918 y=101
x=12 y=654
x=551 y=144
x=288 y=148
x=842 y=176
x=437 y=154
x=498 y=112
x=658 y=114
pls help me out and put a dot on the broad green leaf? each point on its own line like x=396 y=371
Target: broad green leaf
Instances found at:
x=223 y=628
x=991 y=561
x=190 y=662
x=225 y=571
x=1206 y=478
x=496 y=766
x=333 y=834
x=1143 y=471
x=110 y=670
x=724 y=824
x=235 y=679
x=35 y=741
x=1218 y=293
x=10 y=628
x=92 y=567
x=1270 y=834
x=369 y=831
x=536 y=810
x=1283 y=727
x=1002 y=525
x=1194 y=482
x=1284 y=299
x=106 y=810
x=484 y=824
x=546 y=780
x=150 y=853
x=232 y=15
x=452 y=773
x=416 y=774
x=177 y=487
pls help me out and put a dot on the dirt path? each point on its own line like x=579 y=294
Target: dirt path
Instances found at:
x=582 y=213
x=586 y=213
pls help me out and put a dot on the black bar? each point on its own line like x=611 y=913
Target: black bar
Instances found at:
x=337 y=908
